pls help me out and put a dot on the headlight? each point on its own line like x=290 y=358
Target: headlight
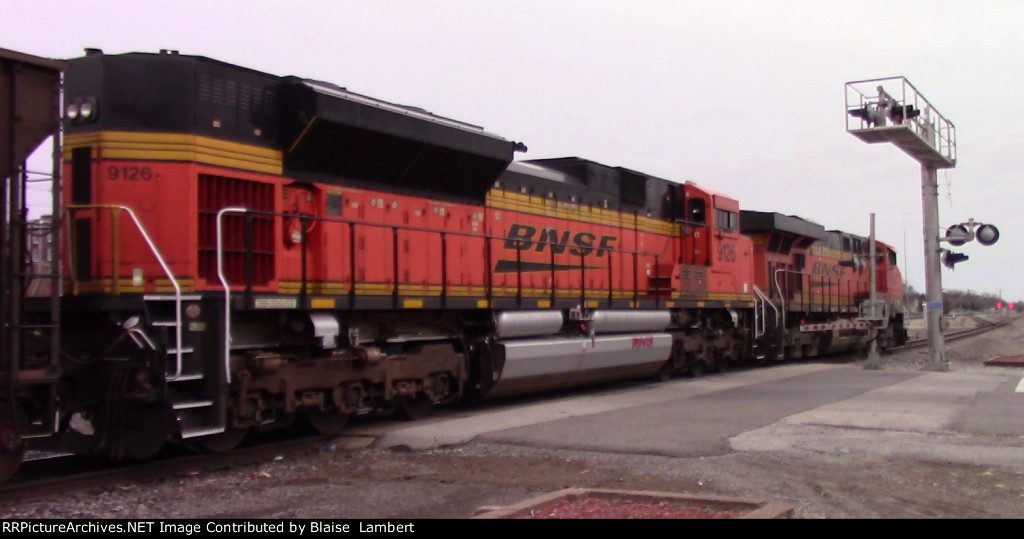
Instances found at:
x=87 y=108
x=82 y=110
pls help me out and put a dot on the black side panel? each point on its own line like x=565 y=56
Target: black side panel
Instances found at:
x=81 y=175
x=621 y=188
x=83 y=248
x=174 y=94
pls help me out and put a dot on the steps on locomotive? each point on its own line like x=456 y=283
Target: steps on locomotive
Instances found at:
x=160 y=314
x=191 y=391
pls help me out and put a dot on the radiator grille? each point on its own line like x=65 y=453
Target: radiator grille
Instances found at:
x=218 y=192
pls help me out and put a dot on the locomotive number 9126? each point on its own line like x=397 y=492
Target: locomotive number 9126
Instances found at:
x=129 y=173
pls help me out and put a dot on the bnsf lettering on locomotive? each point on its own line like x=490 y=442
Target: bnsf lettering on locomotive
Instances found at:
x=525 y=237
x=726 y=252
x=643 y=343
x=827 y=270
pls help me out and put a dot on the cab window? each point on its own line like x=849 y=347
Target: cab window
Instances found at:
x=697 y=212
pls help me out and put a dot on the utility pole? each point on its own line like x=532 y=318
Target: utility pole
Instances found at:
x=906 y=119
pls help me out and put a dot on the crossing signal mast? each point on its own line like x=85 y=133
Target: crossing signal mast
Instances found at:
x=892 y=110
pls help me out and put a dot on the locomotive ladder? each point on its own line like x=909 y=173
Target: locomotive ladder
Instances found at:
x=32 y=274
x=190 y=386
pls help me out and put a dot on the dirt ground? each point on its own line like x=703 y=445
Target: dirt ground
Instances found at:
x=347 y=480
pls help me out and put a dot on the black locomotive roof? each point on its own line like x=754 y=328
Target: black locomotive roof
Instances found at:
x=756 y=221
x=331 y=130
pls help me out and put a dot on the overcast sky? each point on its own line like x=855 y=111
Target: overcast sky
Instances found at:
x=743 y=97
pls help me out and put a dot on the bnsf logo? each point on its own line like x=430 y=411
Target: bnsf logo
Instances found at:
x=827 y=270
x=523 y=238
x=643 y=343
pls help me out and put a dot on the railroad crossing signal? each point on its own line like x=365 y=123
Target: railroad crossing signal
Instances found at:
x=903 y=117
x=961 y=233
x=987 y=234
x=950 y=259
x=957 y=235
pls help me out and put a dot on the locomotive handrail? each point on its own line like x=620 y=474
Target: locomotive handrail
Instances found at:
x=227 y=287
x=764 y=300
x=838 y=281
x=115 y=265
x=487 y=238
x=782 y=297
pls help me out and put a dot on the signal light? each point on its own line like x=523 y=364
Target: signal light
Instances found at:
x=898 y=113
x=950 y=259
x=987 y=234
x=861 y=113
x=999 y=305
x=869 y=114
x=957 y=235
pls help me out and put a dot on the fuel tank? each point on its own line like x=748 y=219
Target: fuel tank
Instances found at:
x=534 y=365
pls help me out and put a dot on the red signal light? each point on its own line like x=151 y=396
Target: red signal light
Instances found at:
x=999 y=305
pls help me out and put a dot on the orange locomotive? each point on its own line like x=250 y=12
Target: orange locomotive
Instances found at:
x=243 y=251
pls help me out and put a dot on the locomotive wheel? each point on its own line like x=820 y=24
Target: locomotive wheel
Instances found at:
x=696 y=365
x=664 y=373
x=419 y=407
x=12 y=449
x=326 y=422
x=676 y=363
x=721 y=362
x=223 y=442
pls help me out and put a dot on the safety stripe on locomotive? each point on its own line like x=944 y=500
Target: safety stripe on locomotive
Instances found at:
x=177 y=147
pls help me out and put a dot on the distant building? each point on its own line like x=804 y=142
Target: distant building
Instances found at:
x=39 y=239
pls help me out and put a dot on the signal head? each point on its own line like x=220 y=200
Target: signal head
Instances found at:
x=958 y=235
x=987 y=234
x=861 y=113
x=951 y=259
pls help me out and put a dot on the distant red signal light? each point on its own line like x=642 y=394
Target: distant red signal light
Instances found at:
x=999 y=305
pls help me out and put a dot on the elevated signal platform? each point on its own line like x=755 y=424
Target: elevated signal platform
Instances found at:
x=892 y=110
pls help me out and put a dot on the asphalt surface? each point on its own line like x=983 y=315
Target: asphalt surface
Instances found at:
x=964 y=416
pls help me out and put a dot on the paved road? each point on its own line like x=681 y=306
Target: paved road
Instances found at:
x=974 y=416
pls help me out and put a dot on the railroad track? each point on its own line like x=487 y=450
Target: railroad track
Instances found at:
x=41 y=477
x=983 y=325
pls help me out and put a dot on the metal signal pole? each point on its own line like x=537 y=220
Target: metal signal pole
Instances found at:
x=903 y=117
x=933 y=269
